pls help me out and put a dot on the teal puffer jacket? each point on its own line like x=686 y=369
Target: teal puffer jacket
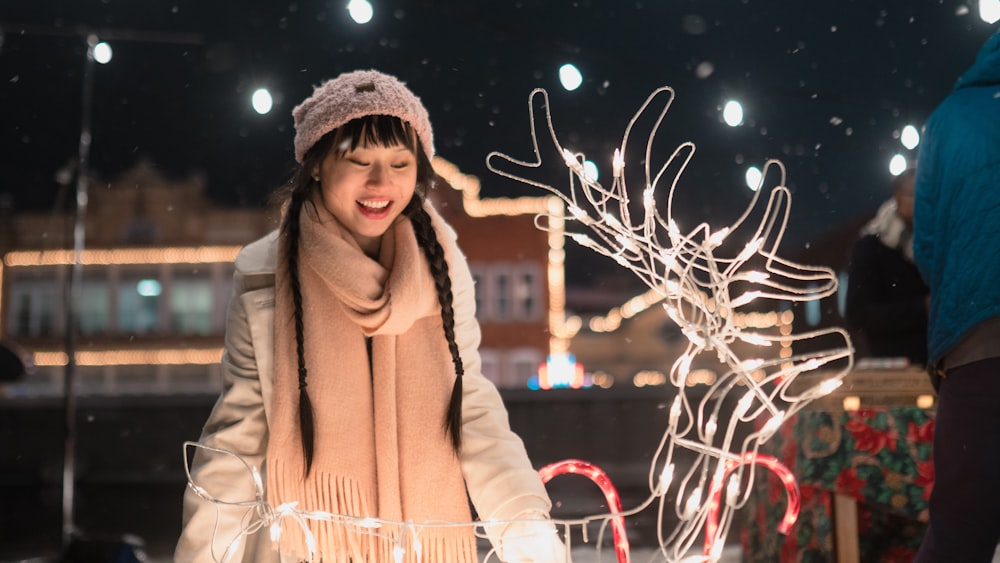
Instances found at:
x=957 y=210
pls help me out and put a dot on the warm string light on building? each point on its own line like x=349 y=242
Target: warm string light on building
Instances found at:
x=560 y=368
x=129 y=356
x=158 y=263
x=781 y=321
x=112 y=257
x=561 y=329
x=124 y=256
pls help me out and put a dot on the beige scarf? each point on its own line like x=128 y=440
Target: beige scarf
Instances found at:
x=380 y=447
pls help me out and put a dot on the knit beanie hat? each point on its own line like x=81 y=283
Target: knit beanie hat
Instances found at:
x=358 y=94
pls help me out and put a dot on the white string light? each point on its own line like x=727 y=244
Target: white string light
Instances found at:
x=701 y=287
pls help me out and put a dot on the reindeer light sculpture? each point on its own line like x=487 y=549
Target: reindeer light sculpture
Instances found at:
x=701 y=288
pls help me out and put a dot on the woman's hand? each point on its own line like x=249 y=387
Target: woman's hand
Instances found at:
x=531 y=540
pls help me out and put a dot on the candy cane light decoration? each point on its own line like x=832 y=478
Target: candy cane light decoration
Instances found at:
x=601 y=479
x=712 y=541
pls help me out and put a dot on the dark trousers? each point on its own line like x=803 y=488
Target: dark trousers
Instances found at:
x=965 y=502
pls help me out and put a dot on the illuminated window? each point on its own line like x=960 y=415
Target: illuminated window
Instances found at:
x=139 y=295
x=527 y=292
x=501 y=293
x=191 y=303
x=508 y=292
x=94 y=307
x=490 y=365
x=36 y=300
x=22 y=315
x=46 y=312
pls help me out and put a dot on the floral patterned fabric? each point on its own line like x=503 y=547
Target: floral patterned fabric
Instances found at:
x=879 y=456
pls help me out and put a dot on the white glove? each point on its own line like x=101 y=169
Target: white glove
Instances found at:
x=531 y=538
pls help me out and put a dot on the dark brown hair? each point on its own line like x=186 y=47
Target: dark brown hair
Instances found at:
x=379 y=130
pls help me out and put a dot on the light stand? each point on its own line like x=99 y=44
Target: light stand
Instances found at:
x=73 y=297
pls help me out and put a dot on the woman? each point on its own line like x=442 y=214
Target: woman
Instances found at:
x=352 y=376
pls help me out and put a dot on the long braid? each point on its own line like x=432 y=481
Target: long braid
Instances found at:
x=428 y=240
x=291 y=229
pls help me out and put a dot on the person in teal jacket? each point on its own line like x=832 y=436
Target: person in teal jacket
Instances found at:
x=957 y=249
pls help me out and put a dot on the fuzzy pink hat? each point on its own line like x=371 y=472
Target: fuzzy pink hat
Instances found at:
x=357 y=94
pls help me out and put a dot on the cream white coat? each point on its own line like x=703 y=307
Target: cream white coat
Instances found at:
x=499 y=477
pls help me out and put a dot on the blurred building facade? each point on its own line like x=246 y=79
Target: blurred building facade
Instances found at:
x=518 y=269
x=156 y=280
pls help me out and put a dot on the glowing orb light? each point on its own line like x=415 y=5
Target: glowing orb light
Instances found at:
x=261 y=101
x=897 y=164
x=732 y=113
x=910 y=137
x=570 y=77
x=102 y=53
x=361 y=11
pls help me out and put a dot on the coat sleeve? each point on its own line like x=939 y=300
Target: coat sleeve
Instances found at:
x=500 y=479
x=925 y=206
x=237 y=424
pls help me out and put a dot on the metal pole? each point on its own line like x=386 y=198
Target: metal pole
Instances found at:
x=73 y=297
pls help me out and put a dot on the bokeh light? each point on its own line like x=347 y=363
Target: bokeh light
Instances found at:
x=102 y=53
x=262 y=101
x=704 y=69
x=989 y=10
x=361 y=11
x=897 y=164
x=570 y=77
x=753 y=176
x=910 y=137
x=732 y=113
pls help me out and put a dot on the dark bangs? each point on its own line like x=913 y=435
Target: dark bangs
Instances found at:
x=377 y=130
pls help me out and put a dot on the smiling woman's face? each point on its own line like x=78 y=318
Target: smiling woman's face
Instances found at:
x=367 y=188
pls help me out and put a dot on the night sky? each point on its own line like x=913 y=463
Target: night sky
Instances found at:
x=826 y=87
